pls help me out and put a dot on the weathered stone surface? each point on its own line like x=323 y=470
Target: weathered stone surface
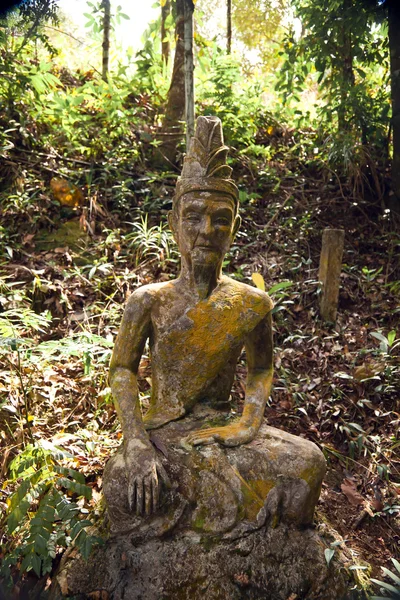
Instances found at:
x=263 y=564
x=329 y=272
x=212 y=489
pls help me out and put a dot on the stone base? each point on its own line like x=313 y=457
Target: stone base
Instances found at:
x=267 y=564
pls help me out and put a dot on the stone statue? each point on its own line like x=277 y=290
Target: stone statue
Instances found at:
x=200 y=503
x=200 y=467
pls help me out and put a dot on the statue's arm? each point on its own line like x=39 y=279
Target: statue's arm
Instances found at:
x=128 y=349
x=259 y=347
x=260 y=370
x=144 y=471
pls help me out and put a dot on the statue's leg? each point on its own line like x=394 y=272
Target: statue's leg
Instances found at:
x=115 y=489
x=285 y=471
x=172 y=505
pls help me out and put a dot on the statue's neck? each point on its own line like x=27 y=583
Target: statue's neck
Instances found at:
x=201 y=278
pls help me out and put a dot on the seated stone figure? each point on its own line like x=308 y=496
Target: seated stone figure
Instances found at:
x=189 y=463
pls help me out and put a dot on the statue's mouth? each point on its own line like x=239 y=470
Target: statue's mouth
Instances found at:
x=205 y=248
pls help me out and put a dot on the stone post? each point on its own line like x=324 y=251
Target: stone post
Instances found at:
x=330 y=266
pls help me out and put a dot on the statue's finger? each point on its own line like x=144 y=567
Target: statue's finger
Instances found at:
x=164 y=476
x=131 y=495
x=204 y=439
x=155 y=487
x=139 y=497
x=198 y=434
x=147 y=495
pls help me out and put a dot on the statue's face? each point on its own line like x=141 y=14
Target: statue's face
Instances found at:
x=204 y=226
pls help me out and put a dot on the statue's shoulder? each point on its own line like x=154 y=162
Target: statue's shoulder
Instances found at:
x=249 y=294
x=147 y=295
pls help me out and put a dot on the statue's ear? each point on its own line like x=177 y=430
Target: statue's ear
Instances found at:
x=173 y=225
x=236 y=224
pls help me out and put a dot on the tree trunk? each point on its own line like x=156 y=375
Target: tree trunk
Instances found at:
x=347 y=79
x=106 y=5
x=228 y=26
x=171 y=131
x=189 y=81
x=165 y=10
x=394 y=46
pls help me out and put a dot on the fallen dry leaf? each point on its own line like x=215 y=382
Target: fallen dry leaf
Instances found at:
x=349 y=489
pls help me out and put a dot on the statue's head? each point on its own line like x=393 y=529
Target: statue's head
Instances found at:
x=204 y=217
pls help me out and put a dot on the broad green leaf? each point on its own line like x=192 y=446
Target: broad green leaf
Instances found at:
x=396 y=564
x=379 y=337
x=70 y=473
x=391 y=337
x=36 y=564
x=386 y=586
x=279 y=286
x=392 y=575
x=16 y=517
x=356 y=426
x=78 y=527
x=40 y=544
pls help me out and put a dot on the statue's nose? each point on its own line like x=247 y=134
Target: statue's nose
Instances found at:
x=206 y=225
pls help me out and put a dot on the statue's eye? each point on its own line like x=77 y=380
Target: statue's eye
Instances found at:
x=192 y=218
x=222 y=221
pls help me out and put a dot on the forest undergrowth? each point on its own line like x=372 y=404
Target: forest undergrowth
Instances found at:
x=78 y=236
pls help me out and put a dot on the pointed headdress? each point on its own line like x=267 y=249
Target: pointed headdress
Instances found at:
x=204 y=167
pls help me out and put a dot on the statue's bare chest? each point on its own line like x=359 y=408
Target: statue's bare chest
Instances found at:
x=206 y=332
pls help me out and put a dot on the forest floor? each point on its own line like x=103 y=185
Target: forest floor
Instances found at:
x=336 y=385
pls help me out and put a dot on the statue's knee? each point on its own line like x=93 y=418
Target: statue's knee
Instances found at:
x=115 y=485
x=318 y=463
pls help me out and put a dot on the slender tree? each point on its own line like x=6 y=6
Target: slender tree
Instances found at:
x=171 y=131
x=228 y=26
x=165 y=46
x=106 y=6
x=344 y=64
x=394 y=46
x=188 y=65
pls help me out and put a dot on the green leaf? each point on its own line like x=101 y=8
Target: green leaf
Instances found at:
x=40 y=544
x=86 y=543
x=356 y=426
x=386 y=586
x=17 y=516
x=279 y=286
x=396 y=564
x=394 y=577
x=379 y=337
x=66 y=510
x=78 y=527
x=31 y=561
x=36 y=564
x=391 y=337
x=70 y=473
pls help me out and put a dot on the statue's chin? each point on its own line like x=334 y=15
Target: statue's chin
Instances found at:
x=206 y=257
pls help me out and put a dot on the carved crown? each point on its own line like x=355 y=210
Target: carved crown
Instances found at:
x=204 y=167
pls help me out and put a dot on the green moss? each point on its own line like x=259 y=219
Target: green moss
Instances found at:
x=199 y=521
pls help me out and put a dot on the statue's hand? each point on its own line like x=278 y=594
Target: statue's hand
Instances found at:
x=145 y=475
x=229 y=435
